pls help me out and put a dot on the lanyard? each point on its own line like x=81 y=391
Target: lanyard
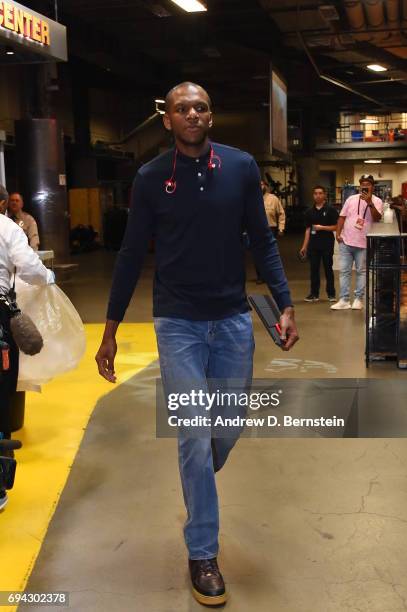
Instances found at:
x=364 y=214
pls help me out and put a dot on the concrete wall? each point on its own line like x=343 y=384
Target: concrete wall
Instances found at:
x=344 y=171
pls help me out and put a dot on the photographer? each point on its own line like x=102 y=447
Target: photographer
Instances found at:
x=355 y=219
x=15 y=255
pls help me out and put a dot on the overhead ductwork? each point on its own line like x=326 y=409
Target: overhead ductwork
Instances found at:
x=355 y=14
x=380 y=23
x=375 y=13
x=355 y=11
x=370 y=15
x=392 y=11
x=395 y=22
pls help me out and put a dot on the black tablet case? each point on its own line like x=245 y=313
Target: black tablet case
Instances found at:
x=269 y=314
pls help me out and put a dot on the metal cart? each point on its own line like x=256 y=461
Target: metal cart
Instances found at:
x=386 y=295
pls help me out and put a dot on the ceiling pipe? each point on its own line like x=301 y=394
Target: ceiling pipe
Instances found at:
x=318 y=32
x=404 y=13
x=392 y=11
x=356 y=16
x=375 y=13
x=375 y=31
x=396 y=35
x=376 y=19
x=380 y=81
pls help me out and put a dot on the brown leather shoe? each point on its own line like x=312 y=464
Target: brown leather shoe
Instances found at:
x=207 y=583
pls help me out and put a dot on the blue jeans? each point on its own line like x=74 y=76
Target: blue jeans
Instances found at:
x=348 y=255
x=192 y=353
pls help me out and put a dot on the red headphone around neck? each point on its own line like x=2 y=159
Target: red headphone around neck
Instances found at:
x=214 y=162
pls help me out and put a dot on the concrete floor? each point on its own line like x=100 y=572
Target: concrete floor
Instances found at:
x=307 y=525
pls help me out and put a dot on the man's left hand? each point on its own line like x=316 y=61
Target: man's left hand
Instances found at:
x=289 y=332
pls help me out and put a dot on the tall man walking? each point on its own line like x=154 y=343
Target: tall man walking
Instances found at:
x=197 y=199
x=355 y=219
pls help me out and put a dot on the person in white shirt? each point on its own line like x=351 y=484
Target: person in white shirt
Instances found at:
x=15 y=255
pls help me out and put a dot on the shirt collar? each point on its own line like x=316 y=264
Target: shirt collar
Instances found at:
x=188 y=159
x=17 y=216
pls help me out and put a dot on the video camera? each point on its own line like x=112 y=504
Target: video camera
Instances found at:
x=8 y=463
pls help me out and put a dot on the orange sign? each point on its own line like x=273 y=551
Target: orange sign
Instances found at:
x=22 y=22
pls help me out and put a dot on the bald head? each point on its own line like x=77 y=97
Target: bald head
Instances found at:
x=188 y=116
x=186 y=87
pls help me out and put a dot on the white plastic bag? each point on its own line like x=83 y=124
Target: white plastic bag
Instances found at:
x=62 y=331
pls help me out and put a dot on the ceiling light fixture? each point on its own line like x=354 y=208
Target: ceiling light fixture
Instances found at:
x=373 y=161
x=369 y=121
x=159 y=110
x=376 y=68
x=9 y=51
x=401 y=161
x=191 y=6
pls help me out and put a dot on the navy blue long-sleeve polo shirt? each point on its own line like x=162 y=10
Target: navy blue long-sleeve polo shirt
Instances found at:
x=199 y=252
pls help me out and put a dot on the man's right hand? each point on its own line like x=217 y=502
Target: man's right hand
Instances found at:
x=339 y=239
x=366 y=196
x=105 y=359
x=303 y=251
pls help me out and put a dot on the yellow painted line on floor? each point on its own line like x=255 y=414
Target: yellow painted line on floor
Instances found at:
x=54 y=426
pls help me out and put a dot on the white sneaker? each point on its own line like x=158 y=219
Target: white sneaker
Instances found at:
x=357 y=304
x=341 y=305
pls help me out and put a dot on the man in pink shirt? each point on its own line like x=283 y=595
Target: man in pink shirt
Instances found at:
x=354 y=223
